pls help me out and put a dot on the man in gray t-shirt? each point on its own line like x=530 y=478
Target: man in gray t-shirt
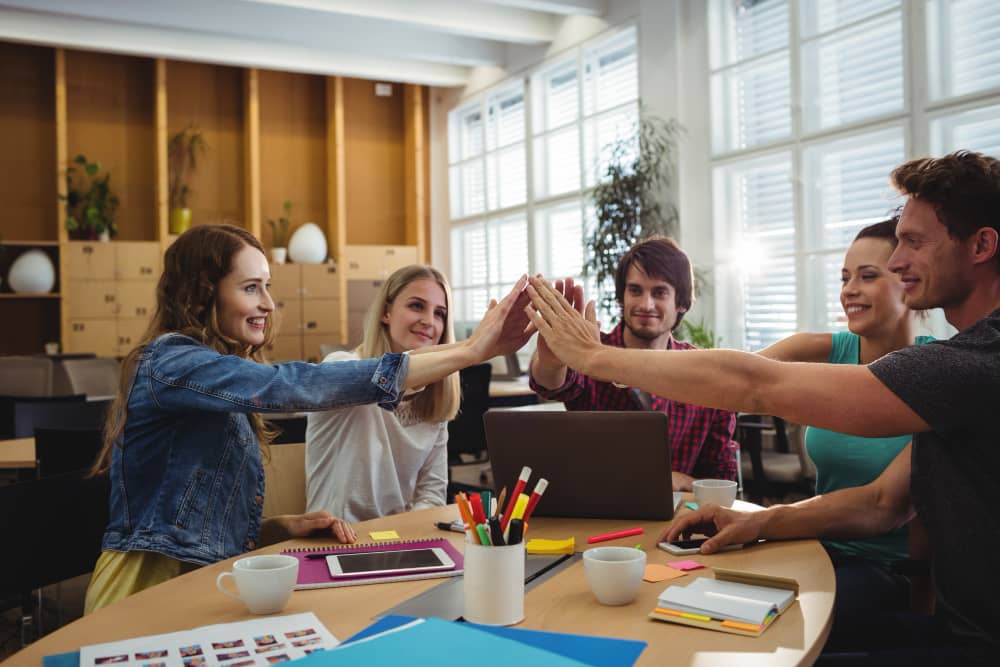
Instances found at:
x=946 y=393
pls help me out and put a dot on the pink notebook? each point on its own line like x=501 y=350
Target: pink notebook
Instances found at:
x=314 y=573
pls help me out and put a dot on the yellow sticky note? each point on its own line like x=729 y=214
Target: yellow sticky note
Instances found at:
x=384 y=535
x=547 y=547
x=656 y=572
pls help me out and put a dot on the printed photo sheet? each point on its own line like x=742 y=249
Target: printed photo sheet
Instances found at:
x=261 y=641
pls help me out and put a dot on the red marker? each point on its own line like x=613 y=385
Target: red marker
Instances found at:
x=522 y=480
x=614 y=536
x=477 y=509
x=535 y=497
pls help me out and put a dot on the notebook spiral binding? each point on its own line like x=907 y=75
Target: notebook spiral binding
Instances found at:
x=336 y=547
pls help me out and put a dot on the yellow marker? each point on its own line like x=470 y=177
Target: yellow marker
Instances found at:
x=519 y=506
x=540 y=546
x=384 y=535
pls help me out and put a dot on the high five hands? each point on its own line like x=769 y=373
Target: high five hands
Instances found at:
x=568 y=331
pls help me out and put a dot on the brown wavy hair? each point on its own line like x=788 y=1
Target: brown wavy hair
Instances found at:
x=186 y=303
x=963 y=187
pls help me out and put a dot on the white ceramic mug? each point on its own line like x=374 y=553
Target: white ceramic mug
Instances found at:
x=614 y=573
x=494 y=584
x=264 y=582
x=718 y=491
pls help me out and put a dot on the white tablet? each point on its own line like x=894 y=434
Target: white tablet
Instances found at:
x=368 y=563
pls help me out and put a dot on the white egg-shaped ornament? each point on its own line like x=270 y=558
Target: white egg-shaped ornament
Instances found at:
x=307 y=245
x=32 y=273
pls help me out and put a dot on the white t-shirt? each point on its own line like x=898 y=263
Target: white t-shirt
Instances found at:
x=365 y=462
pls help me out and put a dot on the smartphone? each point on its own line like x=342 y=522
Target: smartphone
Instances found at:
x=686 y=547
x=388 y=562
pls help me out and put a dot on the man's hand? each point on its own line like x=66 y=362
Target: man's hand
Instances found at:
x=570 y=333
x=681 y=481
x=723 y=526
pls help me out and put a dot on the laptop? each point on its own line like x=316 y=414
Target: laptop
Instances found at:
x=600 y=465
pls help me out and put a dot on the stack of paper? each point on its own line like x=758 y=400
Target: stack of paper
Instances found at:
x=727 y=603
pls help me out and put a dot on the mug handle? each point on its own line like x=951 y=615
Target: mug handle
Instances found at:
x=218 y=584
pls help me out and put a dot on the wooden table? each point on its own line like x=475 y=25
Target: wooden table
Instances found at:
x=17 y=453
x=563 y=603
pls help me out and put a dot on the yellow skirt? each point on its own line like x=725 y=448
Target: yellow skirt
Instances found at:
x=119 y=574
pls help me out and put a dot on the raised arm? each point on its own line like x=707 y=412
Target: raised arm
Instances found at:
x=839 y=397
x=860 y=511
x=546 y=369
x=814 y=347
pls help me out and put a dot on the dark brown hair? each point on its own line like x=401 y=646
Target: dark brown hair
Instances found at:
x=186 y=303
x=884 y=230
x=963 y=187
x=661 y=258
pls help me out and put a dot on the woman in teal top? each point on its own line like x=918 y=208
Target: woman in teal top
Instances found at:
x=879 y=323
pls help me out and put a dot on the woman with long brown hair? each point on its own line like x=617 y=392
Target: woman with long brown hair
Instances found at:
x=185 y=442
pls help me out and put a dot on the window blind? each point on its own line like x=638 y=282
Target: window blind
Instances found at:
x=820 y=17
x=744 y=29
x=976 y=130
x=963 y=46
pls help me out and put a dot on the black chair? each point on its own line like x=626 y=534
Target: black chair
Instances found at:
x=43 y=550
x=60 y=450
x=29 y=416
x=466 y=433
x=292 y=430
x=773 y=472
x=7 y=409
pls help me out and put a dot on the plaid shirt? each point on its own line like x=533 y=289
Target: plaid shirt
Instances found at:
x=700 y=438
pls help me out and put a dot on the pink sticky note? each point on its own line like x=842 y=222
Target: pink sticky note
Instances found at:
x=686 y=565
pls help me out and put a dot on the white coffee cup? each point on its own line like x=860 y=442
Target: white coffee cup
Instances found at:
x=264 y=582
x=718 y=491
x=614 y=573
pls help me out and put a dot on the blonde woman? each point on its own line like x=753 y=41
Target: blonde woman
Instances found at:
x=363 y=462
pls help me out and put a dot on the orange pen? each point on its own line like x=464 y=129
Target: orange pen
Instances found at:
x=466 y=514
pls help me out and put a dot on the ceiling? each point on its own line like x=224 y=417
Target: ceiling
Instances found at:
x=434 y=42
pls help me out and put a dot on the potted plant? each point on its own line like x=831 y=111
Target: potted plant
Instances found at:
x=183 y=151
x=627 y=200
x=90 y=203
x=279 y=234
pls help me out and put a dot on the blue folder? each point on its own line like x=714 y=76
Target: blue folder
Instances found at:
x=587 y=649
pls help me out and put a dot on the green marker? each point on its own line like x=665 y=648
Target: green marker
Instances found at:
x=484 y=537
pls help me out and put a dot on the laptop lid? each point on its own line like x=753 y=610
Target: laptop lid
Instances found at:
x=600 y=465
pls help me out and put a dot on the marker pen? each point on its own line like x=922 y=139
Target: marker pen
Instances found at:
x=522 y=480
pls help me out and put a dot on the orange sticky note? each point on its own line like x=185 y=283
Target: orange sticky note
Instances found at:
x=656 y=572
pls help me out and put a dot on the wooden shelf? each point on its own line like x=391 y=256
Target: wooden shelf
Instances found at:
x=31 y=244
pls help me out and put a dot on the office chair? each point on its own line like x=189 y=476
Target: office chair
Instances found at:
x=39 y=552
x=29 y=416
x=766 y=472
x=63 y=450
x=7 y=409
x=466 y=433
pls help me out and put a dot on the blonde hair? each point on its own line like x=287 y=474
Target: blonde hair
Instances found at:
x=187 y=303
x=438 y=401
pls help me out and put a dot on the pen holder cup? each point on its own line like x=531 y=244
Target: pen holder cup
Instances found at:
x=494 y=584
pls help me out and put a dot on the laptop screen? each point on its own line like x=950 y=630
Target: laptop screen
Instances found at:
x=600 y=465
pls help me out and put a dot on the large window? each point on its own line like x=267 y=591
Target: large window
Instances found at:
x=813 y=104
x=520 y=177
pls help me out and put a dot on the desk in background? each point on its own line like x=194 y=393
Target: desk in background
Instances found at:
x=17 y=453
x=563 y=603
x=511 y=393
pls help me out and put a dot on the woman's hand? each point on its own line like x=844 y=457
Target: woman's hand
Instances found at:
x=504 y=328
x=287 y=526
x=569 y=335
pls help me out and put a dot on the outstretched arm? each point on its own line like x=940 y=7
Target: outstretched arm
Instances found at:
x=800 y=347
x=546 y=369
x=839 y=397
x=860 y=511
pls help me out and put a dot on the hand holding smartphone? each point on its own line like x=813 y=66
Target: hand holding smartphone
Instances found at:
x=687 y=547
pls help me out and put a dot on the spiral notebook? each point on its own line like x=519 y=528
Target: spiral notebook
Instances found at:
x=314 y=573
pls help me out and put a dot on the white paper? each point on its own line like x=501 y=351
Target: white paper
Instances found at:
x=261 y=641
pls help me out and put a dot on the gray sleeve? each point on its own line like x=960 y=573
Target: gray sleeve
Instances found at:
x=952 y=384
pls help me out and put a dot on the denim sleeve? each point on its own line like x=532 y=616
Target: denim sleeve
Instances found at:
x=185 y=375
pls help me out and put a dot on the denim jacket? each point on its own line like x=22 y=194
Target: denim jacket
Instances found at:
x=188 y=481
